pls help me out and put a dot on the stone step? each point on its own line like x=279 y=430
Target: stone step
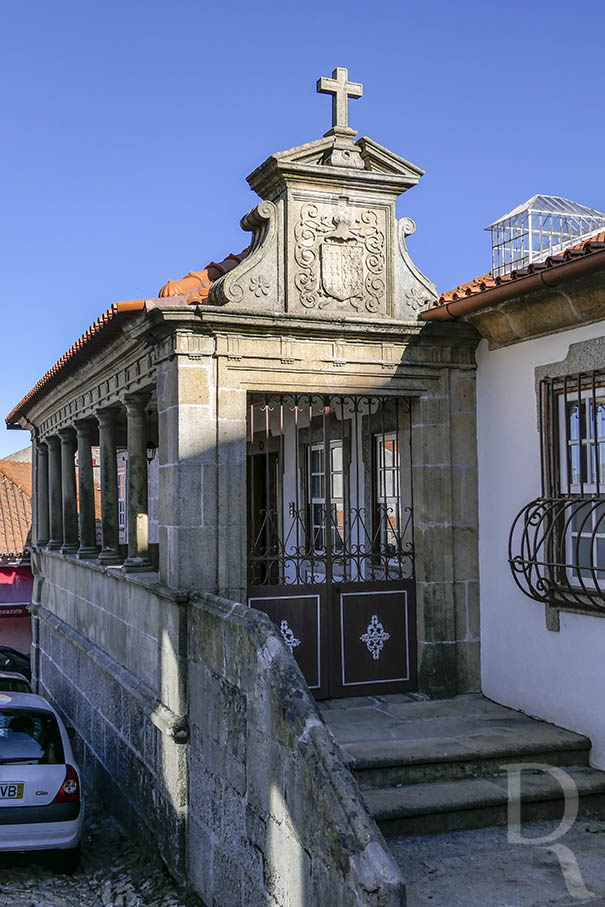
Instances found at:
x=443 y=806
x=394 y=762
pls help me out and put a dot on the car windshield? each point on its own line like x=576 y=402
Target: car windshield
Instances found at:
x=29 y=735
x=14 y=685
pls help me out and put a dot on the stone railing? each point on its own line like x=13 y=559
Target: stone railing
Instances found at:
x=274 y=814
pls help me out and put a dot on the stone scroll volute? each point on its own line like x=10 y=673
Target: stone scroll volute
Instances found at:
x=255 y=282
x=413 y=290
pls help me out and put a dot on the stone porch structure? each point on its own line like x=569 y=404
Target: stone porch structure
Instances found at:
x=192 y=716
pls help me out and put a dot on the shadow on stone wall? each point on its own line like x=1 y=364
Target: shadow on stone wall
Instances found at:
x=275 y=816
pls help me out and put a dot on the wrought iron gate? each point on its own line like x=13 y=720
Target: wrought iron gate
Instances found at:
x=331 y=556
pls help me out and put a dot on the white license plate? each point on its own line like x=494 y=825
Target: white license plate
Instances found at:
x=11 y=790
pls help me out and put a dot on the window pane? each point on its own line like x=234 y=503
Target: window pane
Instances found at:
x=337 y=458
x=337 y=485
x=317 y=459
x=317 y=486
x=573 y=421
x=581 y=520
x=581 y=553
x=601 y=417
x=389 y=483
x=602 y=463
x=574 y=464
x=29 y=735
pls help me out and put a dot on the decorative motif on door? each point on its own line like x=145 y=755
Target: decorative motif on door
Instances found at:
x=375 y=637
x=288 y=636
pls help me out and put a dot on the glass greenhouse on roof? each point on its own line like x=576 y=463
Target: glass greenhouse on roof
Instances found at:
x=542 y=226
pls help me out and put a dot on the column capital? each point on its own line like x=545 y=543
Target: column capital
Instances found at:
x=107 y=416
x=42 y=448
x=53 y=442
x=84 y=425
x=137 y=401
x=67 y=435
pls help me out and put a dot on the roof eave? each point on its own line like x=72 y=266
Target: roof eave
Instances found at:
x=547 y=278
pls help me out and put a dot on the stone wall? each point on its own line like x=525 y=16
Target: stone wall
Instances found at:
x=275 y=816
x=257 y=807
x=107 y=654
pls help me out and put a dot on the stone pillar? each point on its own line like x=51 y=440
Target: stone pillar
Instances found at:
x=110 y=551
x=42 y=509
x=86 y=491
x=68 y=486
x=186 y=399
x=55 y=494
x=138 y=514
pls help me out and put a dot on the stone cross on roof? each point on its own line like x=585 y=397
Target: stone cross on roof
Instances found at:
x=341 y=90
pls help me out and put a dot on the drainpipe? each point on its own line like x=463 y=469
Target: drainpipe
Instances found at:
x=549 y=277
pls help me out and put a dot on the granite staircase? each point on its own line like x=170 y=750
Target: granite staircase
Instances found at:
x=435 y=766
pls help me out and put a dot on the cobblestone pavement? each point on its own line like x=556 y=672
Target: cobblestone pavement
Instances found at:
x=115 y=871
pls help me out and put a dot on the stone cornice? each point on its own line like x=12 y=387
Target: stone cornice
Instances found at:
x=538 y=314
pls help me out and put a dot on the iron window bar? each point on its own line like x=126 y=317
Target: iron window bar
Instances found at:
x=557 y=542
x=318 y=519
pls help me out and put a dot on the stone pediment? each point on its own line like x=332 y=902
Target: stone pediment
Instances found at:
x=325 y=238
x=332 y=158
x=379 y=159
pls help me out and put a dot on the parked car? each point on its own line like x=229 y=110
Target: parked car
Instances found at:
x=41 y=805
x=12 y=682
x=12 y=660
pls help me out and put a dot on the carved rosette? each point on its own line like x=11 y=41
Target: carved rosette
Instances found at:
x=414 y=291
x=340 y=258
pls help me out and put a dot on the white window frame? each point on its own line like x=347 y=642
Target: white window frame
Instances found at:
x=320 y=501
x=379 y=482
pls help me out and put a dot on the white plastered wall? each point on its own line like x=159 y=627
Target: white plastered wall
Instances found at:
x=557 y=676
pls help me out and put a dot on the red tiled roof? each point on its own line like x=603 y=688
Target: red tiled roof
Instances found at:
x=194 y=287
x=479 y=285
x=106 y=326
x=15 y=507
x=20 y=472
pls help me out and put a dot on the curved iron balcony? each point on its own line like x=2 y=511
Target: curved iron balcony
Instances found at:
x=556 y=551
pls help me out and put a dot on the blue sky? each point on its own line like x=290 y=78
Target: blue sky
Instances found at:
x=129 y=129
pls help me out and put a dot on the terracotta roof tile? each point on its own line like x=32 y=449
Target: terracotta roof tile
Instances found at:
x=15 y=507
x=20 y=472
x=479 y=284
x=107 y=325
x=195 y=286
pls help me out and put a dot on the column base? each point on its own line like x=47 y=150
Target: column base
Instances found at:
x=54 y=545
x=42 y=543
x=110 y=558
x=70 y=548
x=86 y=554
x=137 y=565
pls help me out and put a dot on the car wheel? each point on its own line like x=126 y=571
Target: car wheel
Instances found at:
x=66 y=861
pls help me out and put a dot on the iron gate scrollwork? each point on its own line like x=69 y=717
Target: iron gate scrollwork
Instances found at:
x=330 y=534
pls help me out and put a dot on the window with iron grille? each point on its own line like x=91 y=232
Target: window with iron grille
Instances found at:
x=557 y=543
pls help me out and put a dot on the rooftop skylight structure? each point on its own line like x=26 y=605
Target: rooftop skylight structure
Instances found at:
x=542 y=226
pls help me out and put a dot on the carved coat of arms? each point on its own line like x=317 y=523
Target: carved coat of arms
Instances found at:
x=340 y=258
x=341 y=269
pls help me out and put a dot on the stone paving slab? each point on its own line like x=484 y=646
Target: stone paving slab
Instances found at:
x=115 y=872
x=468 y=724
x=480 y=868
